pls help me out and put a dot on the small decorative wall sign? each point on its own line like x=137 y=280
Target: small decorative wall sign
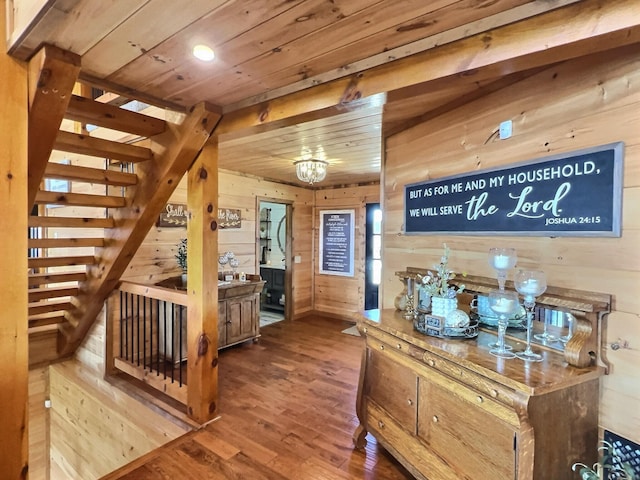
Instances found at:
x=174 y=215
x=572 y=194
x=229 y=217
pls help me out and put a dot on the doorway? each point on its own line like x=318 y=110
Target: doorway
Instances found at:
x=273 y=258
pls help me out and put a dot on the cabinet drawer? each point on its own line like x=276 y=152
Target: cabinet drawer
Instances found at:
x=412 y=453
x=484 y=386
x=467 y=435
x=395 y=387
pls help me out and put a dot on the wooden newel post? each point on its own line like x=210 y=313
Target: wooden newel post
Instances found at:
x=202 y=285
x=14 y=353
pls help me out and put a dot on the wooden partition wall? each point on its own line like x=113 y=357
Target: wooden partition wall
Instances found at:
x=578 y=104
x=337 y=295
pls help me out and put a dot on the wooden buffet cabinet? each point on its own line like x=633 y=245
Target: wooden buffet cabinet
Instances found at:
x=447 y=409
x=239 y=312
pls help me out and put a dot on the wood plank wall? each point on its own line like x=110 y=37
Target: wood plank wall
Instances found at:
x=586 y=102
x=155 y=259
x=336 y=295
x=96 y=428
x=38 y=424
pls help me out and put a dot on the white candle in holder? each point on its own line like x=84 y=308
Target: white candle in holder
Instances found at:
x=503 y=305
x=530 y=287
x=501 y=262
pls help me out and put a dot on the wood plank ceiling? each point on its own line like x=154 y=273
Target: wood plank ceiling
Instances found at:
x=265 y=49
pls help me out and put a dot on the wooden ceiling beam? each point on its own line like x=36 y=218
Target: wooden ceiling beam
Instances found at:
x=52 y=75
x=98 y=147
x=596 y=25
x=175 y=150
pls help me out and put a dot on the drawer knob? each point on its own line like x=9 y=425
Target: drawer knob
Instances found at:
x=435 y=419
x=399 y=347
x=431 y=362
x=381 y=347
x=494 y=393
x=380 y=424
x=480 y=399
x=409 y=402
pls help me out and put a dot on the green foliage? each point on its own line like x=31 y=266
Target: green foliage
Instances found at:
x=608 y=459
x=436 y=284
x=181 y=255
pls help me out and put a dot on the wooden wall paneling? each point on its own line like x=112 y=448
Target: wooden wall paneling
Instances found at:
x=38 y=424
x=570 y=106
x=96 y=428
x=14 y=354
x=337 y=295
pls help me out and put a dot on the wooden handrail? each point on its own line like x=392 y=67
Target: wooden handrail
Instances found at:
x=178 y=297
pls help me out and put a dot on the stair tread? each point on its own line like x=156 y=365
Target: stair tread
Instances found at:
x=50 y=306
x=66 y=242
x=79 y=199
x=70 y=222
x=90 y=175
x=43 y=293
x=101 y=148
x=42 y=262
x=86 y=110
x=56 y=277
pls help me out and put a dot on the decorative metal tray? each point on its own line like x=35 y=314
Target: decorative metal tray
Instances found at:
x=434 y=326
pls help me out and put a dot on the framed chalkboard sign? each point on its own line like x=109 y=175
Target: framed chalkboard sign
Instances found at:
x=574 y=194
x=337 y=250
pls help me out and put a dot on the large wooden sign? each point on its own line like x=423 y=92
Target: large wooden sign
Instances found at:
x=576 y=194
x=337 y=242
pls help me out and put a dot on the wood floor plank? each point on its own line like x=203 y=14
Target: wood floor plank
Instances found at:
x=287 y=408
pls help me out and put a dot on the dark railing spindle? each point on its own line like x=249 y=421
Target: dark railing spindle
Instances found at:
x=121 y=320
x=138 y=329
x=173 y=333
x=180 y=344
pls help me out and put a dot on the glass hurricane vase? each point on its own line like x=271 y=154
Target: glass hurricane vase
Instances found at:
x=502 y=260
x=504 y=304
x=530 y=284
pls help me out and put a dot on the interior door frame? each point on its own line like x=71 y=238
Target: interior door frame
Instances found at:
x=288 y=263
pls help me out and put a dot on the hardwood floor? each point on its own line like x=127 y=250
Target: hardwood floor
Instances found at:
x=287 y=413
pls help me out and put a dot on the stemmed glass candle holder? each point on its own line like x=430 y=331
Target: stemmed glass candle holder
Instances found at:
x=234 y=263
x=502 y=260
x=530 y=284
x=504 y=304
x=223 y=260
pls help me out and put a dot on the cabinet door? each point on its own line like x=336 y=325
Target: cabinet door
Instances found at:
x=393 y=387
x=472 y=440
x=242 y=318
x=222 y=324
x=278 y=279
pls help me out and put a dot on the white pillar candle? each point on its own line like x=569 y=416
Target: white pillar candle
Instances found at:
x=501 y=262
x=530 y=287
x=503 y=305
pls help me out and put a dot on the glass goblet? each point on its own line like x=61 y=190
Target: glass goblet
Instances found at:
x=502 y=260
x=504 y=304
x=530 y=284
x=234 y=263
x=223 y=260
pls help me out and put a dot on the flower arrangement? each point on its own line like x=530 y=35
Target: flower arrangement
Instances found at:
x=436 y=284
x=609 y=460
x=181 y=255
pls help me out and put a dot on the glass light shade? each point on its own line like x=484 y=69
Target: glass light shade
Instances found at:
x=204 y=53
x=311 y=171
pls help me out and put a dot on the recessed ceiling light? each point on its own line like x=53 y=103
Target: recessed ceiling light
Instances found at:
x=203 y=52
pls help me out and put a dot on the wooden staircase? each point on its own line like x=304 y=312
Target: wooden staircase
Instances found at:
x=89 y=219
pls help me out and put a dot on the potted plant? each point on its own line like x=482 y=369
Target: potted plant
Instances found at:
x=436 y=285
x=181 y=257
